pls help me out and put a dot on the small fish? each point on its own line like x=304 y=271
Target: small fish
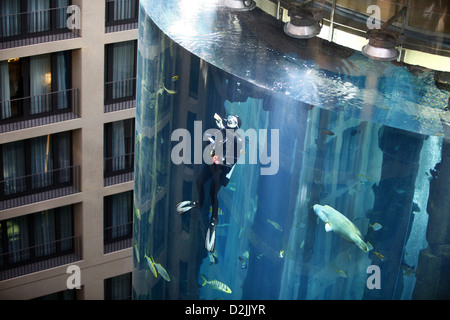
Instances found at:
x=162 y=271
x=379 y=255
x=244 y=260
x=369 y=245
x=328 y=132
x=169 y=91
x=376 y=226
x=281 y=255
x=300 y=225
x=275 y=225
x=175 y=78
x=213 y=257
x=136 y=253
x=363 y=178
x=215 y=284
x=341 y=273
x=259 y=256
x=302 y=244
x=151 y=265
x=407 y=269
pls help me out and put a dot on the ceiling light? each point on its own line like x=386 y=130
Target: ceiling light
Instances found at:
x=304 y=22
x=240 y=5
x=382 y=42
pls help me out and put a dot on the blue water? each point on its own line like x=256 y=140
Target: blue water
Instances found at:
x=369 y=161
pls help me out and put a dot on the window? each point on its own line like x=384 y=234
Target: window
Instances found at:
x=120 y=71
x=118 y=217
x=119 y=147
x=35 y=86
x=29 y=18
x=121 y=11
x=35 y=164
x=118 y=288
x=36 y=236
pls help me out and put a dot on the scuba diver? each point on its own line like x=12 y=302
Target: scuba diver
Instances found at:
x=219 y=170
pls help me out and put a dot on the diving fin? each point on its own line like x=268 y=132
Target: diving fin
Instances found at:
x=185 y=206
x=210 y=240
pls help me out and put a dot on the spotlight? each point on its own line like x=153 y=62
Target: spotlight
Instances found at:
x=382 y=42
x=381 y=47
x=304 y=23
x=240 y=5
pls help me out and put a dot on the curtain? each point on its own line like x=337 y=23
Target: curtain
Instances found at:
x=10 y=22
x=63 y=157
x=40 y=83
x=62 y=81
x=121 y=214
x=13 y=167
x=123 y=69
x=44 y=233
x=61 y=13
x=124 y=9
x=66 y=228
x=41 y=162
x=5 y=95
x=118 y=146
x=121 y=287
x=38 y=15
x=18 y=239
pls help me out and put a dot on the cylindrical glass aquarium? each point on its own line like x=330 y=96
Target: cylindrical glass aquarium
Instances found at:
x=277 y=167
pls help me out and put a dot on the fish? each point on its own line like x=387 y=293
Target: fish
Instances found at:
x=275 y=225
x=369 y=245
x=169 y=91
x=175 y=78
x=244 y=260
x=341 y=273
x=340 y=224
x=363 y=178
x=328 y=132
x=281 y=255
x=407 y=269
x=151 y=265
x=213 y=257
x=379 y=255
x=162 y=271
x=376 y=226
x=216 y=284
x=136 y=253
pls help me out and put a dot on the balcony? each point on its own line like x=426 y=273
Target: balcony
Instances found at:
x=120 y=95
x=121 y=15
x=118 y=237
x=28 y=112
x=38 y=187
x=119 y=169
x=41 y=257
x=34 y=27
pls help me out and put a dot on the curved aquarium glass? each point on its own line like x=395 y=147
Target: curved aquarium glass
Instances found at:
x=331 y=183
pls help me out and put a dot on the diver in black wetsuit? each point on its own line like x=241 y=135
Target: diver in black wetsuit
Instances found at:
x=219 y=170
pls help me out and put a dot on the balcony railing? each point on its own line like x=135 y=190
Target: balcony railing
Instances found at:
x=121 y=15
x=33 y=27
x=119 y=169
x=22 y=113
x=38 y=187
x=40 y=257
x=120 y=95
x=118 y=237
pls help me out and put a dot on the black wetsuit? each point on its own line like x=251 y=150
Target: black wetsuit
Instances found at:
x=218 y=172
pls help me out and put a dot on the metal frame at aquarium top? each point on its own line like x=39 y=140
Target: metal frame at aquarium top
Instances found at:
x=270 y=167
